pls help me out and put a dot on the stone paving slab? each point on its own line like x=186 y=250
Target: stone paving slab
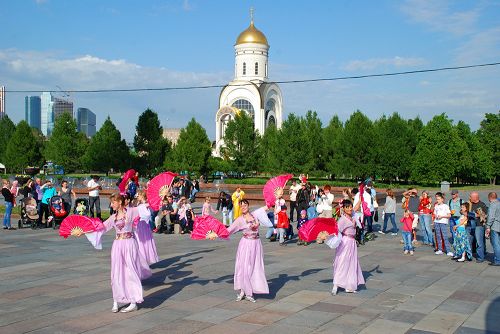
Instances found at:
x=50 y=285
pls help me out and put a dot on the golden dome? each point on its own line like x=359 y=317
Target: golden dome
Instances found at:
x=251 y=35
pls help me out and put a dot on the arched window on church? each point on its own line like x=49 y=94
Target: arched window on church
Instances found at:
x=244 y=68
x=256 y=68
x=245 y=105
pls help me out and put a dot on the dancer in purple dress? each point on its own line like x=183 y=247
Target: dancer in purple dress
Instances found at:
x=249 y=274
x=147 y=246
x=347 y=272
x=126 y=262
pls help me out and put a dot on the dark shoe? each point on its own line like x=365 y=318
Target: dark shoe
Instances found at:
x=479 y=261
x=456 y=257
x=5 y=228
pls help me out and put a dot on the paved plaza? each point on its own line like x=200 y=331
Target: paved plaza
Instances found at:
x=52 y=285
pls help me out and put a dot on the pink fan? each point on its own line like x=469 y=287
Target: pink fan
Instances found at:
x=158 y=188
x=79 y=224
x=208 y=227
x=128 y=175
x=310 y=230
x=273 y=186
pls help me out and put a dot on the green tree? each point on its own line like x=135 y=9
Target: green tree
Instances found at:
x=357 y=146
x=22 y=150
x=192 y=150
x=489 y=137
x=241 y=143
x=149 y=143
x=7 y=129
x=438 y=151
x=313 y=150
x=333 y=135
x=63 y=146
x=291 y=148
x=270 y=148
x=107 y=150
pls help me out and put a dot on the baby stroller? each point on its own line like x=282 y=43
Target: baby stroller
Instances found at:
x=81 y=207
x=57 y=210
x=29 y=213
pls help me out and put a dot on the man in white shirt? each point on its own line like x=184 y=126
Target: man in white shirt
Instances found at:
x=294 y=189
x=93 y=188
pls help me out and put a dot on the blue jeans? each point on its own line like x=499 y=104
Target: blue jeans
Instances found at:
x=480 y=242
x=8 y=211
x=392 y=217
x=368 y=220
x=425 y=225
x=193 y=194
x=407 y=241
x=442 y=235
x=495 y=243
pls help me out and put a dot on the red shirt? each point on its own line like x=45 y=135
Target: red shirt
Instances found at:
x=424 y=207
x=407 y=223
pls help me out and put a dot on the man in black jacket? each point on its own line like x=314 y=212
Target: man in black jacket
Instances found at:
x=302 y=198
x=225 y=203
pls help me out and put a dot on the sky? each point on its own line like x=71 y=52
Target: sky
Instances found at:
x=124 y=44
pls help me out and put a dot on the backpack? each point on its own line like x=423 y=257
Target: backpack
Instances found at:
x=364 y=205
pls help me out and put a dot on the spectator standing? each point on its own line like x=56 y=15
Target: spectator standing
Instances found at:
x=302 y=197
x=194 y=190
x=390 y=212
x=14 y=191
x=442 y=215
x=454 y=203
x=477 y=220
x=9 y=203
x=28 y=189
x=48 y=192
x=493 y=227
x=93 y=188
x=237 y=197
x=327 y=202
x=412 y=203
x=425 y=217
x=294 y=189
x=461 y=242
x=407 y=221
x=225 y=204
x=67 y=194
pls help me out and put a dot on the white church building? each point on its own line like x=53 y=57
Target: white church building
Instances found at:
x=250 y=90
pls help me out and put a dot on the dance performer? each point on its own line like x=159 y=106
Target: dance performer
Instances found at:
x=249 y=274
x=347 y=272
x=237 y=197
x=147 y=246
x=126 y=263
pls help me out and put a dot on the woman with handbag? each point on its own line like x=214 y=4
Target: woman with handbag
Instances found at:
x=347 y=272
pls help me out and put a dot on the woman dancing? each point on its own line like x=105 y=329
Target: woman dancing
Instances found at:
x=249 y=274
x=147 y=246
x=347 y=273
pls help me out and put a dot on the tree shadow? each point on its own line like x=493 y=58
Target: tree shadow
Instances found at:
x=275 y=284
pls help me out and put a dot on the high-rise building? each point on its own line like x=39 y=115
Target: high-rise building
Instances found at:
x=2 y=101
x=52 y=107
x=33 y=111
x=86 y=121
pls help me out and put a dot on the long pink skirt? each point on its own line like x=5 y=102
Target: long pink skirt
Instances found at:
x=249 y=274
x=147 y=246
x=126 y=271
x=347 y=272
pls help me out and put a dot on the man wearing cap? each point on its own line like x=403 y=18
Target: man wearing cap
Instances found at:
x=93 y=188
x=493 y=227
x=454 y=203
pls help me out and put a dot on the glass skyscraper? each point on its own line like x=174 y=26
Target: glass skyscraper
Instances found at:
x=86 y=121
x=33 y=111
x=52 y=107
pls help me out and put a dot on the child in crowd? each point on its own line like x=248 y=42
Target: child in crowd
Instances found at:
x=301 y=221
x=207 y=208
x=407 y=221
x=442 y=215
x=461 y=243
x=283 y=223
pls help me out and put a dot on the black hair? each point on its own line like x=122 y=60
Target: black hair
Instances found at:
x=245 y=201
x=346 y=202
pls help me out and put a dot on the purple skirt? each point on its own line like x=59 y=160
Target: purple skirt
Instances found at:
x=347 y=272
x=147 y=246
x=126 y=271
x=249 y=274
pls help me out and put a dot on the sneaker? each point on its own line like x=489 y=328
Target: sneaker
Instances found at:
x=394 y=233
x=438 y=252
x=449 y=254
x=381 y=232
x=250 y=299
x=334 y=290
x=406 y=252
x=240 y=297
x=411 y=252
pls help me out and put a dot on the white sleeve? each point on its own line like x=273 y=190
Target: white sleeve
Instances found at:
x=261 y=216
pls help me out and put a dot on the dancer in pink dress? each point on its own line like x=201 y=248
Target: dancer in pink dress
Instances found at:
x=249 y=274
x=126 y=262
x=147 y=246
x=347 y=272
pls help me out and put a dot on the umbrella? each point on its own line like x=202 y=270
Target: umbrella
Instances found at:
x=310 y=230
x=83 y=224
x=208 y=227
x=272 y=186
x=158 y=188
x=123 y=184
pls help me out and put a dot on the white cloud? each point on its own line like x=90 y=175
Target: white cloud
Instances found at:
x=483 y=46
x=187 y=6
x=438 y=15
x=373 y=63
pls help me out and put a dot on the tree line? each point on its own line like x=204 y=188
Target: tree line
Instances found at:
x=390 y=148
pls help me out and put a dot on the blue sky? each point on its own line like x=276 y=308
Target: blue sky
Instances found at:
x=95 y=44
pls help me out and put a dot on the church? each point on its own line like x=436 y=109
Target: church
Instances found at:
x=249 y=91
